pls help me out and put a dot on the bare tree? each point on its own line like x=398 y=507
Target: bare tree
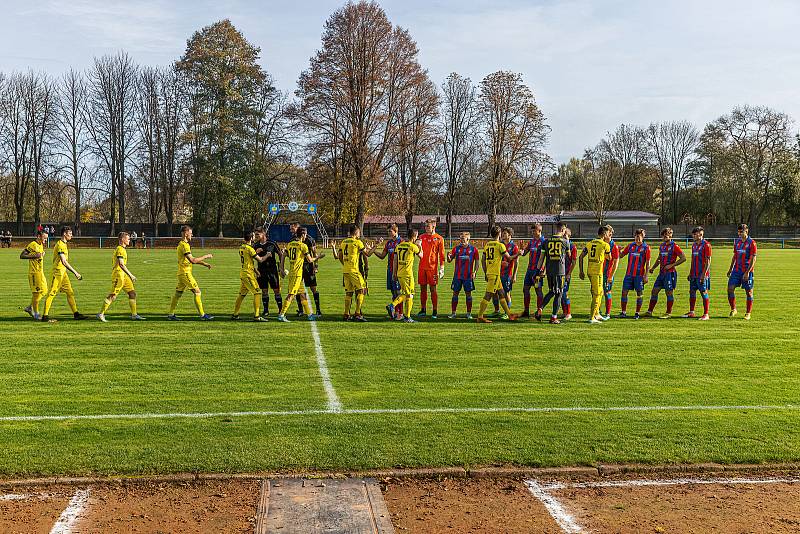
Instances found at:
x=26 y=122
x=673 y=145
x=459 y=119
x=627 y=146
x=149 y=119
x=599 y=182
x=354 y=85
x=72 y=98
x=514 y=138
x=414 y=143
x=112 y=123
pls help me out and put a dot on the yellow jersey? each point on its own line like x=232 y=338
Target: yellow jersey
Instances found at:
x=493 y=251
x=246 y=255
x=405 y=252
x=296 y=252
x=119 y=252
x=35 y=266
x=350 y=250
x=184 y=265
x=596 y=250
x=60 y=248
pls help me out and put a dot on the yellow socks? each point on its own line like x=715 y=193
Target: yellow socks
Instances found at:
x=198 y=303
x=484 y=305
x=132 y=303
x=72 y=304
x=256 y=305
x=359 y=302
x=238 y=305
x=348 y=300
x=106 y=305
x=174 y=303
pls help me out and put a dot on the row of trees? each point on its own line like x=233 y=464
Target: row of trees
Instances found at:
x=210 y=140
x=743 y=167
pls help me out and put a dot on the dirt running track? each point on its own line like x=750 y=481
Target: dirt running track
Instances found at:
x=626 y=504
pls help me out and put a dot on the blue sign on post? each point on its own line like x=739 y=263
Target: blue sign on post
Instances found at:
x=274 y=209
x=312 y=209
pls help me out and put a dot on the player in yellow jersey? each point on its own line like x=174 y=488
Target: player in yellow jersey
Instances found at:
x=494 y=252
x=247 y=276
x=185 y=278
x=60 y=279
x=349 y=254
x=34 y=253
x=597 y=250
x=402 y=269
x=298 y=253
x=121 y=279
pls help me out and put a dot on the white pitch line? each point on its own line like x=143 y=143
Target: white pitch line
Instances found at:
x=14 y=497
x=665 y=482
x=556 y=510
x=378 y=411
x=71 y=514
x=334 y=405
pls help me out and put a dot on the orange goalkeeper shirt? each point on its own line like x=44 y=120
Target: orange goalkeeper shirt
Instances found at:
x=432 y=252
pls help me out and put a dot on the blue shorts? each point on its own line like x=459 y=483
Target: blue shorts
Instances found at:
x=738 y=279
x=608 y=284
x=467 y=284
x=666 y=281
x=508 y=283
x=391 y=285
x=530 y=278
x=700 y=284
x=633 y=282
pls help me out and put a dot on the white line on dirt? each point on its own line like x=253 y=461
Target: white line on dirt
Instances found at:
x=334 y=405
x=335 y=408
x=14 y=497
x=71 y=514
x=556 y=510
x=665 y=482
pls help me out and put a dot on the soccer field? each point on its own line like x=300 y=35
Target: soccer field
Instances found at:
x=159 y=397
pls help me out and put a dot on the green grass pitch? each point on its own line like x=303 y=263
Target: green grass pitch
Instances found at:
x=160 y=367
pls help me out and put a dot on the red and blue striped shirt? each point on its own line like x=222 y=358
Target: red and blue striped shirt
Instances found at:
x=638 y=256
x=609 y=263
x=745 y=250
x=389 y=248
x=535 y=252
x=507 y=267
x=701 y=254
x=572 y=257
x=464 y=256
x=667 y=254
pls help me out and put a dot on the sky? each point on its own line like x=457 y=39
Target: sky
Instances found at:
x=592 y=64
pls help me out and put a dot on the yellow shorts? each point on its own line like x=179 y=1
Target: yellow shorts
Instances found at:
x=249 y=285
x=186 y=281
x=406 y=284
x=294 y=284
x=60 y=283
x=493 y=283
x=38 y=283
x=121 y=281
x=353 y=282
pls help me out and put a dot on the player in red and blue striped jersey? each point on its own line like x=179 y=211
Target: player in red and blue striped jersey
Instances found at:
x=466 y=257
x=391 y=280
x=638 y=254
x=572 y=260
x=740 y=273
x=670 y=256
x=699 y=273
x=609 y=270
x=508 y=269
x=534 y=275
